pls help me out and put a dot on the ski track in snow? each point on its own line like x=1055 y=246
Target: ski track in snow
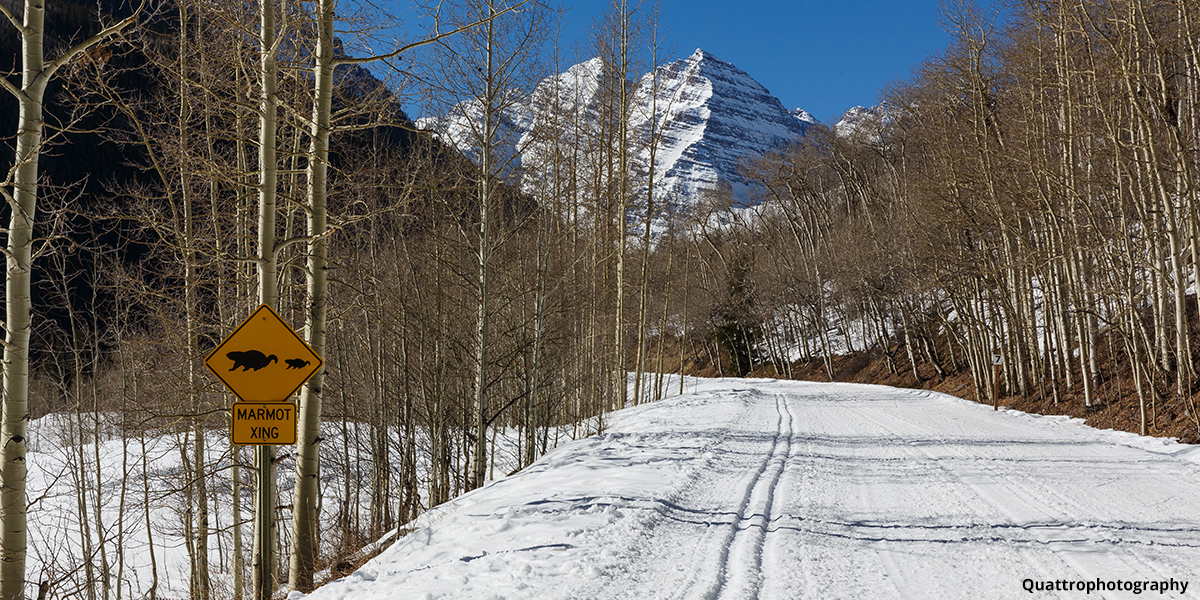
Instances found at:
x=779 y=490
x=739 y=552
x=742 y=574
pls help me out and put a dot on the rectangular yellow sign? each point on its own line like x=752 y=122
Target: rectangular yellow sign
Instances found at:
x=262 y=423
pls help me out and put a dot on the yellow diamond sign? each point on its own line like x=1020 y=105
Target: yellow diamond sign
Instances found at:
x=263 y=360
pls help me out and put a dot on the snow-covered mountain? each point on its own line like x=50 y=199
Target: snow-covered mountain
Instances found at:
x=707 y=116
x=465 y=123
x=712 y=115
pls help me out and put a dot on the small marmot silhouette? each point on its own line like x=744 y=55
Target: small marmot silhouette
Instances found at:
x=250 y=360
x=296 y=363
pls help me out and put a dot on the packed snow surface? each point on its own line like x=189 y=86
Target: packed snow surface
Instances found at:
x=782 y=490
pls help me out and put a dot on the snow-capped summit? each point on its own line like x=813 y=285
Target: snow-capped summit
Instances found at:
x=712 y=116
x=805 y=117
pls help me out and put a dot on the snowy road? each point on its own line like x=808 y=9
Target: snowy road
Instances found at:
x=781 y=490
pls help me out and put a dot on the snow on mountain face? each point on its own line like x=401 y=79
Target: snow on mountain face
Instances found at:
x=708 y=114
x=712 y=116
x=864 y=123
x=804 y=117
x=464 y=123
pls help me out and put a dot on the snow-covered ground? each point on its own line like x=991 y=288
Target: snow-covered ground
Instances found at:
x=138 y=528
x=781 y=490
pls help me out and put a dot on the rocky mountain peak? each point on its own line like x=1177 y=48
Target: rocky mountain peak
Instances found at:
x=704 y=114
x=712 y=115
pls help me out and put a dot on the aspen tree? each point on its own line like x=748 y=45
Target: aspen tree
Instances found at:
x=185 y=225
x=269 y=37
x=304 y=500
x=618 y=54
x=21 y=193
x=654 y=136
x=304 y=523
x=551 y=157
x=486 y=72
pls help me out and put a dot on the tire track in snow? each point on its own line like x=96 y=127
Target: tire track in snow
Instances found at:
x=741 y=556
x=897 y=578
x=861 y=510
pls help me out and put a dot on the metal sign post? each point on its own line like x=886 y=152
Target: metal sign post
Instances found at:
x=263 y=362
x=264 y=523
x=997 y=360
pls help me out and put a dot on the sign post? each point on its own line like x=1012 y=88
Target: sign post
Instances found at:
x=997 y=360
x=263 y=362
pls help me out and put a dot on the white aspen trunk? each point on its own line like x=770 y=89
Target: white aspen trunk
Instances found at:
x=683 y=320
x=660 y=376
x=644 y=300
x=22 y=200
x=238 y=565
x=483 y=255
x=242 y=244
x=539 y=331
x=152 y=593
x=17 y=322
x=97 y=510
x=222 y=298
x=122 y=503
x=85 y=522
x=189 y=520
x=410 y=503
x=1078 y=294
x=268 y=290
x=622 y=201
x=197 y=484
x=305 y=497
x=542 y=251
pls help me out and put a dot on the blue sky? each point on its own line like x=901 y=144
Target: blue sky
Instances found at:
x=823 y=56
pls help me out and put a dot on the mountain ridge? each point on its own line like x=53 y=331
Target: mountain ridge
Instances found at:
x=707 y=115
x=726 y=116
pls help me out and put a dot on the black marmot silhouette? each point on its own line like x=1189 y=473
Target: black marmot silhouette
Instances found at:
x=250 y=360
x=296 y=363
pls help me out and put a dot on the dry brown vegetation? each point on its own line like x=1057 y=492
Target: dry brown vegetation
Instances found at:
x=1030 y=192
